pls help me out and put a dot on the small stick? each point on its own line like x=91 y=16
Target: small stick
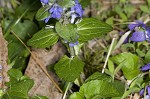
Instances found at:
x=38 y=62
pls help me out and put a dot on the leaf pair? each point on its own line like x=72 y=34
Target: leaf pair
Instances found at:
x=87 y=29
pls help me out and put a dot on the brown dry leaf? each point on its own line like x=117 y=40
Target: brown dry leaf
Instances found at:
x=43 y=85
x=3 y=61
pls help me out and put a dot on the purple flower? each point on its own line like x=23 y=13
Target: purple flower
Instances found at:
x=137 y=24
x=145 y=67
x=56 y=11
x=44 y=1
x=139 y=35
x=73 y=44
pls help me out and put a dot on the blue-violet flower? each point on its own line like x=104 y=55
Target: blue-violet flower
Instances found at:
x=56 y=11
x=76 y=10
x=139 y=35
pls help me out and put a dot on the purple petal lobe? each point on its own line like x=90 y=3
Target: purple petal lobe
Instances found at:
x=148 y=32
x=148 y=90
x=138 y=36
x=77 y=9
x=44 y=1
x=137 y=24
x=141 y=23
x=132 y=26
x=141 y=93
x=145 y=67
x=73 y=44
x=47 y=19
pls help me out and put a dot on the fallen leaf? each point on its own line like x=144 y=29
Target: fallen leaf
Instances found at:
x=3 y=61
x=43 y=85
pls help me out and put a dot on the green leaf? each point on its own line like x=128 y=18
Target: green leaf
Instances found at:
x=42 y=13
x=44 y=38
x=140 y=53
x=120 y=12
x=69 y=68
x=131 y=90
x=110 y=21
x=15 y=74
x=109 y=73
x=97 y=97
x=19 y=90
x=39 y=97
x=98 y=76
x=129 y=10
x=147 y=57
x=85 y=3
x=29 y=8
x=66 y=3
x=67 y=31
x=144 y=8
x=90 y=28
x=76 y=95
x=130 y=66
x=25 y=29
x=111 y=66
x=102 y=88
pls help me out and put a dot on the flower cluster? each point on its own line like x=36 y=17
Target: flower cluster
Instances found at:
x=141 y=31
x=57 y=12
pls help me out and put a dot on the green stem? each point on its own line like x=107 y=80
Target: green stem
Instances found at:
x=72 y=51
x=64 y=97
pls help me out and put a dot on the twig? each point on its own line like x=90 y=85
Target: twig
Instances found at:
x=38 y=62
x=109 y=52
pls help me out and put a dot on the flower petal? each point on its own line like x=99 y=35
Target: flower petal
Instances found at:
x=141 y=23
x=44 y=1
x=56 y=11
x=77 y=9
x=47 y=19
x=141 y=93
x=73 y=44
x=132 y=26
x=138 y=23
x=138 y=36
x=145 y=67
x=148 y=32
x=148 y=90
